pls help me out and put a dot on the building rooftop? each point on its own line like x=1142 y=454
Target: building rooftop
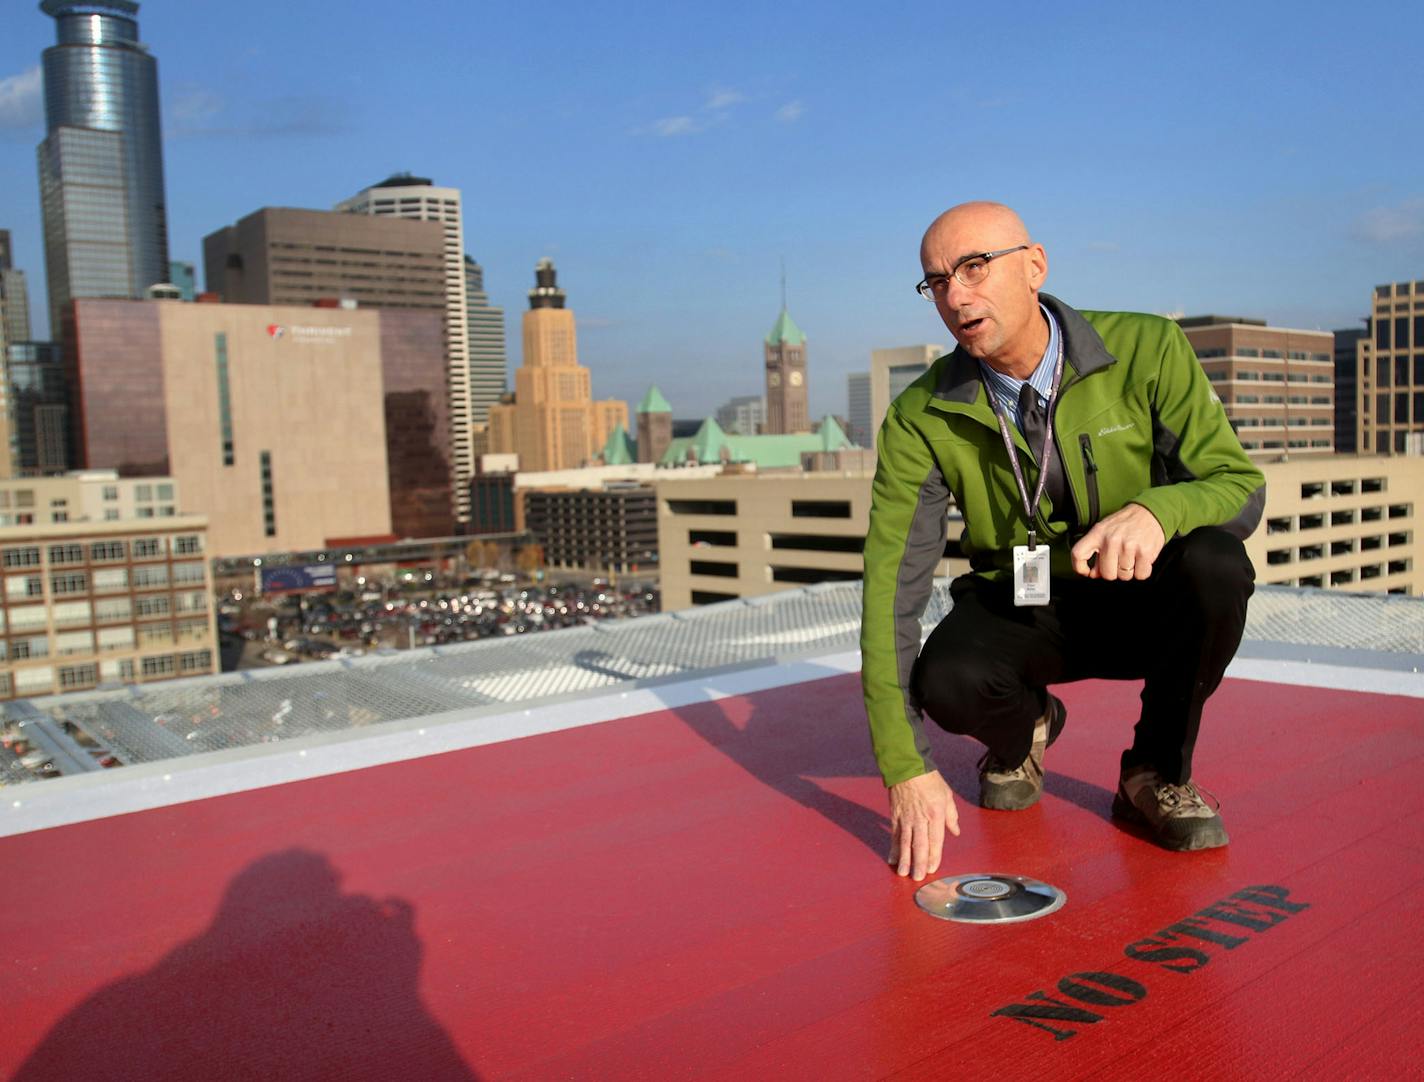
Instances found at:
x=785 y=330
x=655 y=849
x=654 y=402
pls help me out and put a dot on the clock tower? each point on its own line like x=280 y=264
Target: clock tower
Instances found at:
x=786 y=398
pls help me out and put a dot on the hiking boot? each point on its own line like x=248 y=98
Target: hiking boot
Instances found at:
x=1176 y=815
x=1005 y=787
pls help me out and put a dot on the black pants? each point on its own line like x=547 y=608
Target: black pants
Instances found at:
x=984 y=670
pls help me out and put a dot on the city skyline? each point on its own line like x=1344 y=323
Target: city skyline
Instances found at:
x=1217 y=164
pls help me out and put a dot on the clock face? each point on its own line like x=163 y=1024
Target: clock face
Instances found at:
x=773 y=379
x=795 y=378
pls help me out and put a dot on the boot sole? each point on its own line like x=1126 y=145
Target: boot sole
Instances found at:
x=1057 y=716
x=1209 y=838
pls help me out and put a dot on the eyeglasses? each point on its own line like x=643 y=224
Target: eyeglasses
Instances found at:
x=969 y=271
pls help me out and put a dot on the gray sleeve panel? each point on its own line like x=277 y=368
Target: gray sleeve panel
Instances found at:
x=924 y=547
x=1169 y=469
x=1249 y=517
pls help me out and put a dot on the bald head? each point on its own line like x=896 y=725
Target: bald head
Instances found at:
x=996 y=318
x=992 y=225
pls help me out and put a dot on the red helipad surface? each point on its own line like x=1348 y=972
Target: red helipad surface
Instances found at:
x=700 y=893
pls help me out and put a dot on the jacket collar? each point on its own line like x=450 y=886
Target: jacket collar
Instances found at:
x=1083 y=349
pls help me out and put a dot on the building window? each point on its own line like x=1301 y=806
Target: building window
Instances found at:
x=820 y=509
x=186 y=546
x=157 y=666
x=111 y=492
x=269 y=509
x=154 y=605
x=710 y=597
x=143 y=492
x=714 y=567
x=224 y=403
x=147 y=548
x=702 y=507
x=147 y=578
x=29 y=556
x=197 y=661
x=74 y=583
x=106 y=551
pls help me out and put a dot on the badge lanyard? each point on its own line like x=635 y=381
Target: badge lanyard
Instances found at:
x=1030 y=507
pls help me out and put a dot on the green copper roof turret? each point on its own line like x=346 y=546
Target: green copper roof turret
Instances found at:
x=619 y=450
x=654 y=402
x=785 y=330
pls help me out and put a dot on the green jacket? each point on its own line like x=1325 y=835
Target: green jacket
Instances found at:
x=1135 y=421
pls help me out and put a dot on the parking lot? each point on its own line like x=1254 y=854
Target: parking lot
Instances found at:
x=417 y=610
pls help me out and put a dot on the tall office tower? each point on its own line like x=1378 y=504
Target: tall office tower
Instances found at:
x=101 y=162
x=891 y=371
x=14 y=297
x=489 y=366
x=1390 y=394
x=744 y=414
x=786 y=392
x=406 y=196
x=654 y=426
x=553 y=422
x=184 y=278
x=1277 y=385
x=858 y=409
x=1347 y=381
x=280 y=255
x=38 y=408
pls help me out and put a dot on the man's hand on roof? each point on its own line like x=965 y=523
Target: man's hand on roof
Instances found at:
x=921 y=810
x=1127 y=543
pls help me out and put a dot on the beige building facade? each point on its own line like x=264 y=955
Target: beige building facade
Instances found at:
x=743 y=535
x=91 y=602
x=1277 y=385
x=86 y=496
x=283 y=426
x=1343 y=522
x=891 y=371
x=553 y=422
x=1334 y=522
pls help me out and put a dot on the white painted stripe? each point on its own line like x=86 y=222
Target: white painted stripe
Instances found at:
x=78 y=799
x=42 y=805
x=1337 y=677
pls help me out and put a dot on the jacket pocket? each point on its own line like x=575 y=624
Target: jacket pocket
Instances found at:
x=1090 y=475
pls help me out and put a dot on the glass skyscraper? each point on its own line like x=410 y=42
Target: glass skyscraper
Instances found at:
x=489 y=371
x=101 y=163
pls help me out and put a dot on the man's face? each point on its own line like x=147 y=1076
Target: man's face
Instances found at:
x=998 y=313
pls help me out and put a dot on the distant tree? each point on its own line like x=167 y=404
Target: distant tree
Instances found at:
x=530 y=559
x=482 y=554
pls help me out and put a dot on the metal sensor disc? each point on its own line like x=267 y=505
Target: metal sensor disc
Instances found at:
x=989 y=898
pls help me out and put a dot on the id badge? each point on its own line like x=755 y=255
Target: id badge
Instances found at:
x=1030 y=575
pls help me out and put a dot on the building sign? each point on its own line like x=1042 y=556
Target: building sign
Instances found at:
x=286 y=580
x=295 y=332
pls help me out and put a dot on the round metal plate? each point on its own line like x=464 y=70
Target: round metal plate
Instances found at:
x=989 y=898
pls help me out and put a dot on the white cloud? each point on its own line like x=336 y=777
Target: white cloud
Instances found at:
x=674 y=125
x=193 y=107
x=21 y=99
x=1391 y=225
x=722 y=99
x=791 y=112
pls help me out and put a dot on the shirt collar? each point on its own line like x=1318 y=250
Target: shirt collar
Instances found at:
x=1006 y=389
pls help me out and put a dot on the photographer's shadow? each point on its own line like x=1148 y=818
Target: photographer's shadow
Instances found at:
x=293 y=979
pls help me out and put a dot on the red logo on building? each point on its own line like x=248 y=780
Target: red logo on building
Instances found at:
x=275 y=330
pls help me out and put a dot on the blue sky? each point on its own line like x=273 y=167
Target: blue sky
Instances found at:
x=1263 y=160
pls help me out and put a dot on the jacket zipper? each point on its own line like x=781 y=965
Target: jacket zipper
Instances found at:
x=1090 y=473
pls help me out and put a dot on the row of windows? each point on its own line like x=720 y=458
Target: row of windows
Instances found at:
x=144 y=548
